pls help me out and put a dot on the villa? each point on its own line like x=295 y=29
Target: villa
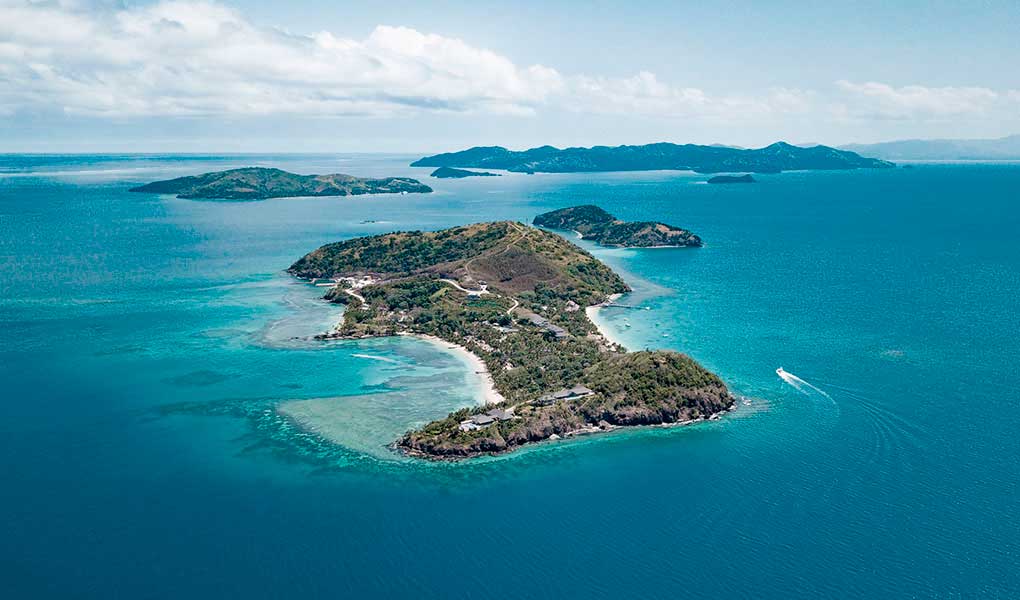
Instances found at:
x=557 y=331
x=578 y=391
x=486 y=419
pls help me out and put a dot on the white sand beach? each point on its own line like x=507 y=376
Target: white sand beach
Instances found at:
x=593 y=314
x=486 y=386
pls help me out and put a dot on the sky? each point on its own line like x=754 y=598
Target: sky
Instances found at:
x=395 y=76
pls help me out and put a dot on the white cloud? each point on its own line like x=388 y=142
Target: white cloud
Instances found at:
x=642 y=93
x=882 y=101
x=195 y=57
x=187 y=57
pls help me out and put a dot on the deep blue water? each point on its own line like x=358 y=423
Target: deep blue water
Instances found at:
x=147 y=347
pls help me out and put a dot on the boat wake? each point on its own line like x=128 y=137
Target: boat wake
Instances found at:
x=804 y=387
x=378 y=358
x=887 y=434
x=799 y=384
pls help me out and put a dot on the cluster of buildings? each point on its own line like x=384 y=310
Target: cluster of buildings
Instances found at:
x=495 y=415
x=355 y=283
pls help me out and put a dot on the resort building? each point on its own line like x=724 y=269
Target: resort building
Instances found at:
x=544 y=323
x=484 y=420
x=572 y=393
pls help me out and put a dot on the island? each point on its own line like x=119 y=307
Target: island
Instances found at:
x=593 y=223
x=517 y=298
x=451 y=173
x=260 y=183
x=732 y=179
x=652 y=157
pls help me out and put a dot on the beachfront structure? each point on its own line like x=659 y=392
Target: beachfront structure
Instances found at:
x=484 y=420
x=572 y=393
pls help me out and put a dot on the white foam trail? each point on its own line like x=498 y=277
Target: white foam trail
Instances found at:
x=804 y=387
x=800 y=384
x=381 y=358
x=785 y=377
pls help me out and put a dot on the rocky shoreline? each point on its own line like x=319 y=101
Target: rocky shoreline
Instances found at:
x=566 y=436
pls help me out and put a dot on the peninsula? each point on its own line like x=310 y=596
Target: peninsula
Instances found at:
x=593 y=223
x=653 y=157
x=451 y=173
x=513 y=296
x=259 y=183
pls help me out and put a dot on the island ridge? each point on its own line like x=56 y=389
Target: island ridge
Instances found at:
x=652 y=157
x=259 y=183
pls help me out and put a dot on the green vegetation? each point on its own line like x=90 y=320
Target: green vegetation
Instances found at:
x=513 y=295
x=654 y=157
x=597 y=225
x=400 y=253
x=257 y=183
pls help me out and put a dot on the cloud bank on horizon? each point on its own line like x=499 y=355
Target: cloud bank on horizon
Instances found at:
x=192 y=58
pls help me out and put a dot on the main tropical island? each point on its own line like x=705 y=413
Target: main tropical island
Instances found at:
x=518 y=298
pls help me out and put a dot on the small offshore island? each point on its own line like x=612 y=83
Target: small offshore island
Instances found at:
x=260 y=183
x=595 y=224
x=451 y=173
x=515 y=297
x=723 y=179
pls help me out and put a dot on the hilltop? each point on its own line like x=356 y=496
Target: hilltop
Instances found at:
x=593 y=223
x=512 y=295
x=258 y=183
x=663 y=156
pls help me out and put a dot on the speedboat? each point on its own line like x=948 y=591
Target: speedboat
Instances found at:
x=780 y=371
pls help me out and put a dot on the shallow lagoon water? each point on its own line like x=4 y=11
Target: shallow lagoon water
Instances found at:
x=149 y=343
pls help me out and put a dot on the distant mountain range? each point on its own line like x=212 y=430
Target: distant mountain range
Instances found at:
x=1001 y=149
x=653 y=157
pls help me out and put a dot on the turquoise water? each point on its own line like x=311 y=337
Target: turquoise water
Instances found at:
x=154 y=357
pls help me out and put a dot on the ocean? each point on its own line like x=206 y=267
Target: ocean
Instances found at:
x=156 y=366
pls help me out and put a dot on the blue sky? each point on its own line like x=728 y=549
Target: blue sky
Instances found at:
x=412 y=76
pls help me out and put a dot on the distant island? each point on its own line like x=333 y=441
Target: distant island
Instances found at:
x=259 y=183
x=732 y=179
x=593 y=223
x=451 y=173
x=663 y=156
x=517 y=299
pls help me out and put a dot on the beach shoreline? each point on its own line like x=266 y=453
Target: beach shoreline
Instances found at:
x=486 y=385
x=592 y=312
